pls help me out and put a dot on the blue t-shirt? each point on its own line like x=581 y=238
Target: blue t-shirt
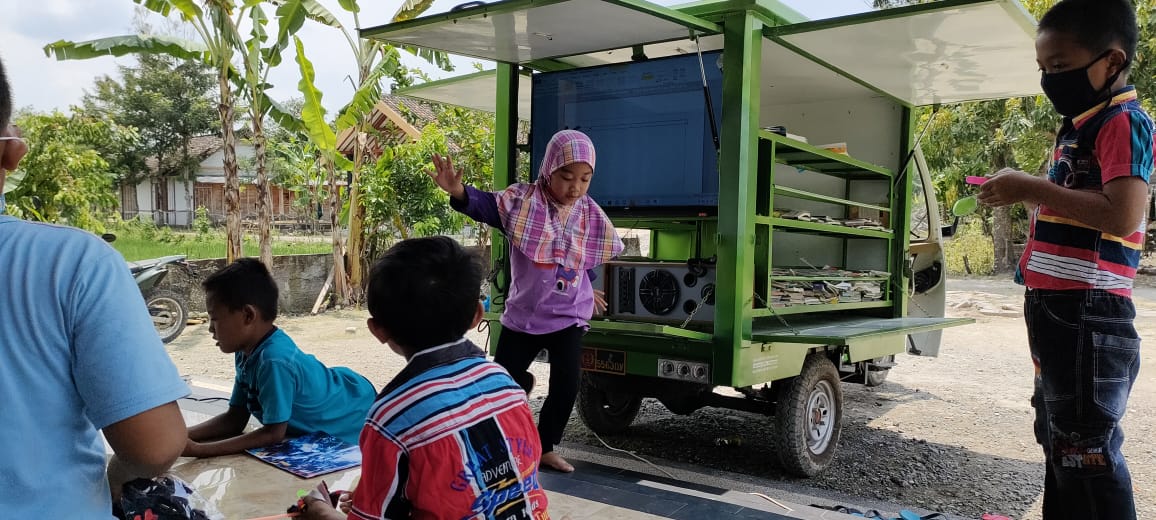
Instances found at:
x=279 y=383
x=78 y=352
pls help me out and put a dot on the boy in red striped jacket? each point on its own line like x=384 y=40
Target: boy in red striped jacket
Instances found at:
x=1082 y=253
x=452 y=436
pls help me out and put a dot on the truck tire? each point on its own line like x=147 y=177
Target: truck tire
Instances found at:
x=603 y=411
x=808 y=417
x=169 y=313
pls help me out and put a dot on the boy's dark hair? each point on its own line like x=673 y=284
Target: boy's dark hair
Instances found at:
x=424 y=291
x=244 y=282
x=1096 y=24
x=5 y=98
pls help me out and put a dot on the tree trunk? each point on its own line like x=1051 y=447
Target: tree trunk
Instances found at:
x=1001 y=233
x=357 y=218
x=1001 y=229
x=264 y=198
x=189 y=173
x=340 y=282
x=233 y=249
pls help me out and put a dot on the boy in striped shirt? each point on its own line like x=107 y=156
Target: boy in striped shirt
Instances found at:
x=451 y=437
x=1082 y=254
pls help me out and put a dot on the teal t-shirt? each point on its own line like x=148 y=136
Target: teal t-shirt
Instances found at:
x=78 y=352
x=279 y=383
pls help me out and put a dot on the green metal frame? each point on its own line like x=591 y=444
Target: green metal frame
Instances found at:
x=505 y=174
x=739 y=134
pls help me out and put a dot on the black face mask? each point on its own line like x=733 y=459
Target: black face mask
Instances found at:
x=1072 y=93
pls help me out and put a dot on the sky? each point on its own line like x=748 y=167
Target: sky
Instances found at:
x=45 y=84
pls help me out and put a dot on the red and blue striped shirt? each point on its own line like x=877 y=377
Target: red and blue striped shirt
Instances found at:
x=450 y=438
x=1065 y=254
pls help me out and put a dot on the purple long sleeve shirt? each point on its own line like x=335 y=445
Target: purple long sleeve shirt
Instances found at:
x=543 y=298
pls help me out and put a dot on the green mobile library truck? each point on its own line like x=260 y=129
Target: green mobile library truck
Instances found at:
x=771 y=165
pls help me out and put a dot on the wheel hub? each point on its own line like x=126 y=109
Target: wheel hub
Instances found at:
x=820 y=412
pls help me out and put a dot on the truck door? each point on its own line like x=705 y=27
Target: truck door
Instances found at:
x=925 y=257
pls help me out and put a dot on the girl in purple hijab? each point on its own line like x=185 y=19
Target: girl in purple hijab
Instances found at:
x=558 y=236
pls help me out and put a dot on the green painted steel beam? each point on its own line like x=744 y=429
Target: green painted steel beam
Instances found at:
x=549 y=65
x=505 y=174
x=738 y=164
x=901 y=190
x=671 y=15
x=770 y=12
x=405 y=91
x=829 y=307
x=797 y=153
x=895 y=12
x=815 y=197
x=491 y=9
x=647 y=329
x=802 y=226
x=846 y=329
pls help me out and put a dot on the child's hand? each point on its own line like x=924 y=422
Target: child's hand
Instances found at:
x=1009 y=186
x=317 y=509
x=192 y=449
x=446 y=178
x=599 y=301
x=345 y=502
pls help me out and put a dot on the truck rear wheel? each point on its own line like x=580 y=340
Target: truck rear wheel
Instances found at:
x=605 y=411
x=808 y=417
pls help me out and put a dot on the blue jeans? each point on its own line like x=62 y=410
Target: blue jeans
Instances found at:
x=1087 y=356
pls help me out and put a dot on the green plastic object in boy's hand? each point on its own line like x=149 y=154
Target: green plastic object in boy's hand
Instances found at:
x=965 y=206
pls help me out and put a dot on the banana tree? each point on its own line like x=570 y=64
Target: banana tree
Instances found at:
x=218 y=41
x=375 y=62
x=325 y=140
x=252 y=80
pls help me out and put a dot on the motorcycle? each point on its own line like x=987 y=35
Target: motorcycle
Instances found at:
x=168 y=310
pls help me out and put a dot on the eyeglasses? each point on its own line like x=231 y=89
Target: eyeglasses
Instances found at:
x=11 y=138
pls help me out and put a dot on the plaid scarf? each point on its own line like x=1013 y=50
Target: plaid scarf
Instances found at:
x=581 y=238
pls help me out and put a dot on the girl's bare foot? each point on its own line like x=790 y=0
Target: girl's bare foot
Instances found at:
x=556 y=462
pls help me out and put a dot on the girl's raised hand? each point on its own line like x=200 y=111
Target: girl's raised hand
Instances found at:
x=446 y=178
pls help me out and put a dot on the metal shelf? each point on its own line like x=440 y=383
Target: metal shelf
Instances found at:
x=829 y=278
x=797 y=153
x=817 y=228
x=826 y=307
x=806 y=195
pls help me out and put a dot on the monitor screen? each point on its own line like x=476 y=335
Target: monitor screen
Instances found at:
x=650 y=127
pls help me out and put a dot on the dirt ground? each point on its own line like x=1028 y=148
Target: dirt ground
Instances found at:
x=950 y=434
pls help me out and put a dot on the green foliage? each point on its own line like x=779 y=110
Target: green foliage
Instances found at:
x=970 y=242
x=398 y=191
x=201 y=222
x=168 y=101
x=312 y=111
x=122 y=45
x=64 y=177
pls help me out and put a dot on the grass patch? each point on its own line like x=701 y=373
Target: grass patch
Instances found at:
x=140 y=241
x=136 y=248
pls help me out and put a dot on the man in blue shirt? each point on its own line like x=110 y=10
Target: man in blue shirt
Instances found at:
x=78 y=354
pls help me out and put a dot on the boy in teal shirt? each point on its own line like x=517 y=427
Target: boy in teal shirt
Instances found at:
x=290 y=392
